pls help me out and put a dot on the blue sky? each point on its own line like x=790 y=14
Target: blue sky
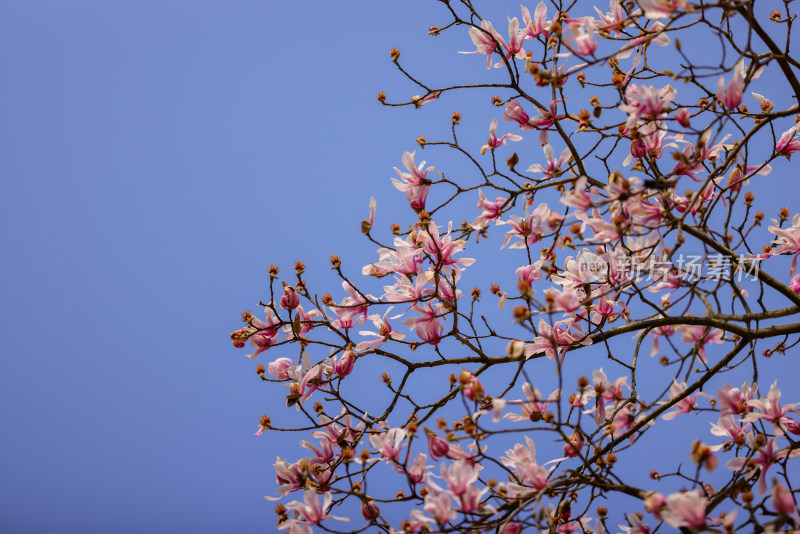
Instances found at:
x=157 y=157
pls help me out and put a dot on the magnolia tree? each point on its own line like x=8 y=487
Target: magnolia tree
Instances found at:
x=649 y=293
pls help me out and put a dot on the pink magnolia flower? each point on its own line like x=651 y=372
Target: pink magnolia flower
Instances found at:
x=311 y=510
x=514 y=112
x=794 y=283
x=729 y=427
x=485 y=39
x=438 y=447
x=352 y=310
x=554 y=165
x=654 y=503
x=472 y=388
x=636 y=525
x=734 y=401
x=384 y=333
x=700 y=336
x=459 y=476
x=530 y=273
x=491 y=210
x=302 y=324
x=788 y=143
x=786 y=240
x=764 y=458
x=574 y=444
x=646 y=102
x=682 y=116
x=414 y=183
x=578 y=197
x=782 y=500
x=389 y=443
x=417 y=471
x=606 y=391
x=442 y=249
x=731 y=94
x=345 y=364
x=685 y=405
x=557 y=338
x=522 y=458
x=290 y=300
x=659 y=9
x=529 y=228
x=771 y=409
x=534 y=405
x=512 y=527
x=685 y=509
x=537 y=25
x=420 y=101
x=494 y=141
x=440 y=506
x=429 y=327
x=264 y=334
x=370 y=511
x=404 y=259
x=279 y=368
x=617 y=19
x=584 y=39
x=605 y=231
x=515 y=40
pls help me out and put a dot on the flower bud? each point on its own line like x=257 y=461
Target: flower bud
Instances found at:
x=370 y=511
x=345 y=364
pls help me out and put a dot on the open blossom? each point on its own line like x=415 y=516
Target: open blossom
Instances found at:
x=646 y=102
x=414 y=183
x=428 y=327
x=389 y=443
x=788 y=143
x=529 y=228
x=685 y=405
x=700 y=336
x=730 y=94
x=728 y=427
x=384 y=333
x=351 y=310
x=264 y=333
x=515 y=40
x=554 y=165
x=685 y=509
x=534 y=405
x=485 y=40
x=440 y=506
x=311 y=510
x=617 y=18
x=659 y=9
x=491 y=210
x=495 y=141
x=786 y=240
x=636 y=526
x=443 y=248
x=771 y=409
x=536 y=25
x=764 y=458
x=734 y=401
x=584 y=39
x=556 y=339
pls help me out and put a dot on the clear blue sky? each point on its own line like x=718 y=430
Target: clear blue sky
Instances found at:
x=156 y=157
